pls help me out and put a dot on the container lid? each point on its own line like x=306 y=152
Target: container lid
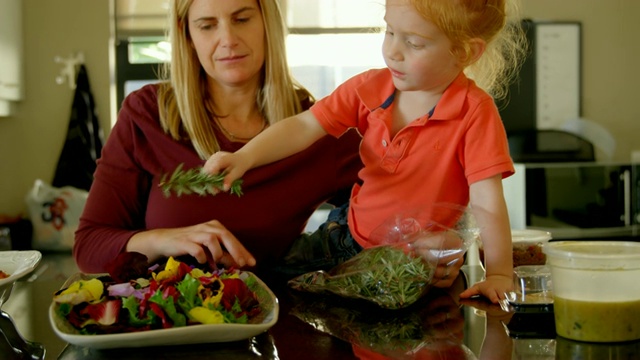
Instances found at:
x=530 y=235
x=595 y=254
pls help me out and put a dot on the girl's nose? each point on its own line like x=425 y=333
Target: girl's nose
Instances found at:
x=390 y=50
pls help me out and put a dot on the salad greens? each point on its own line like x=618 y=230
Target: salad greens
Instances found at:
x=178 y=295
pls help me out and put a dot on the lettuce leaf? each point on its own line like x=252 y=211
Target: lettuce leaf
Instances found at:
x=132 y=305
x=188 y=289
x=167 y=304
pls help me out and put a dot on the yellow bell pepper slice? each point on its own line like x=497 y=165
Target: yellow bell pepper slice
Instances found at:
x=206 y=316
x=81 y=291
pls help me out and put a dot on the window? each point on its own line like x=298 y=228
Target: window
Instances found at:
x=139 y=43
x=332 y=40
x=329 y=41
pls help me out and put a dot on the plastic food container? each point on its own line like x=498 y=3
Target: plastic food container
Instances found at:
x=596 y=289
x=527 y=247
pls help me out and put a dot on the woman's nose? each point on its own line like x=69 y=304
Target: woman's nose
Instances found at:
x=228 y=36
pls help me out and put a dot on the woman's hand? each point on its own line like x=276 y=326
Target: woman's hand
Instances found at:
x=206 y=242
x=233 y=165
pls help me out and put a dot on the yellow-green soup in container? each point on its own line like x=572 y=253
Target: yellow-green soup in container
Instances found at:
x=596 y=288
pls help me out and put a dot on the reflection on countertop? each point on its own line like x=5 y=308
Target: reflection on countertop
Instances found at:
x=28 y=304
x=312 y=328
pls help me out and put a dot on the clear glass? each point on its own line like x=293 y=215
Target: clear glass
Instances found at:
x=532 y=284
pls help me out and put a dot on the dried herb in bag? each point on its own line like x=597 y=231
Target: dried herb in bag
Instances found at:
x=398 y=272
x=385 y=275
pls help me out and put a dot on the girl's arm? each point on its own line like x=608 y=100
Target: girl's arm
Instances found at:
x=490 y=209
x=280 y=140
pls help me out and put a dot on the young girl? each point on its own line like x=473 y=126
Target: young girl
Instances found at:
x=430 y=134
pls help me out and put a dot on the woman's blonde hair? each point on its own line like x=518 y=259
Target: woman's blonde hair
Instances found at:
x=182 y=98
x=497 y=22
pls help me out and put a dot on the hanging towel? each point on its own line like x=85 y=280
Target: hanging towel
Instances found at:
x=83 y=145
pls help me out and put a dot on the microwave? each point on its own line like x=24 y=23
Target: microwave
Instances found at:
x=576 y=200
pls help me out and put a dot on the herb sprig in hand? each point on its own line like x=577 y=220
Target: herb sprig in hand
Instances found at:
x=195 y=181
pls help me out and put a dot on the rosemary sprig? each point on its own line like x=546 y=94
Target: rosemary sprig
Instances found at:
x=194 y=181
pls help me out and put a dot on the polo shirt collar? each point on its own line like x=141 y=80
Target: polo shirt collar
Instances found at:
x=450 y=105
x=378 y=90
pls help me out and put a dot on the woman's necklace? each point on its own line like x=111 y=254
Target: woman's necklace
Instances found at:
x=233 y=137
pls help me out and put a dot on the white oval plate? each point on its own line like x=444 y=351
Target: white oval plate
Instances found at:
x=192 y=334
x=18 y=264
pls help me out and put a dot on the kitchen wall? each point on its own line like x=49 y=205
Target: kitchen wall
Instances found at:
x=610 y=55
x=31 y=140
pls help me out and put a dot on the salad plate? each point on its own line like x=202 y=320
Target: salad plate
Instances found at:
x=191 y=334
x=18 y=264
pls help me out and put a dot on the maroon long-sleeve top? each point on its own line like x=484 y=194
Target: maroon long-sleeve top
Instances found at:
x=278 y=198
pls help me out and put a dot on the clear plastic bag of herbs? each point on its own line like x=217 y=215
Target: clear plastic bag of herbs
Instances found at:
x=400 y=271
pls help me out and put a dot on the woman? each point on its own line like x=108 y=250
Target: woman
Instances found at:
x=227 y=80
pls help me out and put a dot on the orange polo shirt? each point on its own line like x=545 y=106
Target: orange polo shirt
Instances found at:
x=431 y=161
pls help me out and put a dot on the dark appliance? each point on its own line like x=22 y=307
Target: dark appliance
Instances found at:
x=577 y=200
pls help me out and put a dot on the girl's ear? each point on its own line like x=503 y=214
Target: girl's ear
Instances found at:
x=471 y=51
x=476 y=47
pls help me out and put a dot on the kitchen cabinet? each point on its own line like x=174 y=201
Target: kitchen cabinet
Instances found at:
x=11 y=48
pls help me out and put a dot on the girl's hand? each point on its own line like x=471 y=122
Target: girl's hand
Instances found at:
x=494 y=288
x=234 y=165
x=206 y=242
x=444 y=249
